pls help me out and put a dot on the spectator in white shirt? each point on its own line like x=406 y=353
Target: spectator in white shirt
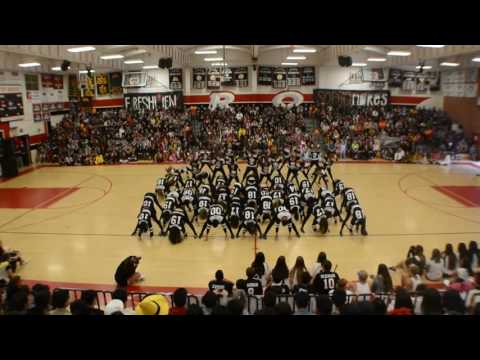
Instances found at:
x=362 y=287
x=318 y=266
x=435 y=267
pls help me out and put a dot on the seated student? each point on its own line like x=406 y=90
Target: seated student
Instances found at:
x=252 y=285
x=435 y=267
x=303 y=284
x=411 y=279
x=89 y=297
x=302 y=301
x=209 y=300
x=269 y=301
x=118 y=303
x=180 y=297
x=473 y=298
x=324 y=305
x=60 y=302
x=403 y=303
x=219 y=285
x=41 y=300
x=362 y=287
x=261 y=268
x=326 y=280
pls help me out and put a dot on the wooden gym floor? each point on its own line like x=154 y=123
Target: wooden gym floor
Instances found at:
x=73 y=224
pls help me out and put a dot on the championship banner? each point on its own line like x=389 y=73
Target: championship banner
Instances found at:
x=73 y=87
x=103 y=88
x=47 y=81
x=265 y=74
x=228 y=79
x=154 y=101
x=409 y=81
x=240 y=76
x=57 y=82
x=89 y=86
x=279 y=78
x=421 y=84
x=293 y=76
x=175 y=79
x=308 y=75
x=199 y=77
x=395 y=78
x=213 y=77
x=11 y=103
x=434 y=79
x=327 y=97
x=115 y=80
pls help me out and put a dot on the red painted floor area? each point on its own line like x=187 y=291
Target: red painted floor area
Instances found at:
x=29 y=198
x=466 y=195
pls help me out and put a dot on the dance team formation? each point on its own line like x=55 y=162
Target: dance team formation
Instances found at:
x=211 y=190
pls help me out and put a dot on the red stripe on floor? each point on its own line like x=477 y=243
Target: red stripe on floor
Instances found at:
x=462 y=194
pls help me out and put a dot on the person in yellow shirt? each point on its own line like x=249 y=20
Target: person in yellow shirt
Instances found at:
x=99 y=159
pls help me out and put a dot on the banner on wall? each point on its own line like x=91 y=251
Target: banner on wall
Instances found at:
x=213 y=79
x=154 y=101
x=199 y=78
x=73 y=88
x=265 y=75
x=395 y=78
x=279 y=80
x=103 y=88
x=175 y=77
x=11 y=103
x=293 y=76
x=47 y=81
x=115 y=80
x=240 y=76
x=308 y=75
x=350 y=97
x=57 y=82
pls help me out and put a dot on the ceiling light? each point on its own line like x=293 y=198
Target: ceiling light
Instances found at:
x=449 y=64
x=32 y=64
x=81 y=49
x=426 y=67
x=399 y=53
x=289 y=64
x=296 y=57
x=205 y=52
x=56 y=68
x=150 y=67
x=376 y=59
x=214 y=59
x=112 y=57
x=432 y=46
x=477 y=59
x=219 y=64
x=133 y=62
x=86 y=71
x=304 y=51
x=359 y=64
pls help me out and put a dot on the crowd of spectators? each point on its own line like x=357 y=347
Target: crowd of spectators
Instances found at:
x=390 y=132
x=369 y=294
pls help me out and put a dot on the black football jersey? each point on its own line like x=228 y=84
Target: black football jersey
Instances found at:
x=249 y=215
x=324 y=282
x=204 y=202
x=253 y=287
x=177 y=220
x=266 y=203
x=252 y=193
x=293 y=201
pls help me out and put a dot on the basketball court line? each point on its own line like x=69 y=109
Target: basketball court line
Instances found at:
x=47 y=201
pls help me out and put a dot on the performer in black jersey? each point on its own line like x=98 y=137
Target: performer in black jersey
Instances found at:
x=216 y=216
x=265 y=169
x=319 y=218
x=249 y=222
x=293 y=204
x=338 y=187
x=218 y=168
x=358 y=219
x=251 y=192
x=251 y=168
x=204 y=159
x=187 y=197
x=321 y=174
x=266 y=202
x=286 y=158
x=144 y=223
x=235 y=212
x=293 y=169
x=176 y=226
x=349 y=198
x=330 y=206
x=201 y=207
x=281 y=215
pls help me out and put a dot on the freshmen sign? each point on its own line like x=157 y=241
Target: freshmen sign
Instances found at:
x=154 y=101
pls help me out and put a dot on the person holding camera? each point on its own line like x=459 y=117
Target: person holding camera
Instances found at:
x=126 y=273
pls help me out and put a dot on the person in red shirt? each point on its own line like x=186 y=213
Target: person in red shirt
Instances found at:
x=179 y=302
